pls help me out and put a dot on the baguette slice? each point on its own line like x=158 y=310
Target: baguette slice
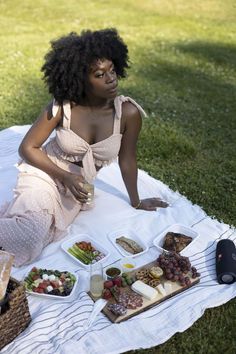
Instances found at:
x=145 y=290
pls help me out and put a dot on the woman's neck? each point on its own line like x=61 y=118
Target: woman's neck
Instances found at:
x=97 y=102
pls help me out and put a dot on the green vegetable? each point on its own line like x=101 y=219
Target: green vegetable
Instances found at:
x=124 y=283
x=71 y=251
x=73 y=278
x=84 y=256
x=80 y=252
x=129 y=281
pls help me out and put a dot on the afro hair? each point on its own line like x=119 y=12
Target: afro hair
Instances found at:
x=67 y=63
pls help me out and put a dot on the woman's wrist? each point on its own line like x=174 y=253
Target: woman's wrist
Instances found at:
x=137 y=205
x=62 y=177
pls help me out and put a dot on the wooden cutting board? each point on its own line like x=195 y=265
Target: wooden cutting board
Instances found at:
x=147 y=304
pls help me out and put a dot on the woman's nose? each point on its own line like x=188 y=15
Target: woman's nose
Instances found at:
x=110 y=77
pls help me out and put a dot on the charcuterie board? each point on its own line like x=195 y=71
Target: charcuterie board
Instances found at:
x=176 y=289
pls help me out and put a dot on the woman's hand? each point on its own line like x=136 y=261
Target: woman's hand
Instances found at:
x=75 y=184
x=152 y=203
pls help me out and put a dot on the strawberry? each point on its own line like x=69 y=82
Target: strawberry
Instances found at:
x=34 y=269
x=34 y=277
x=108 y=284
x=117 y=281
x=106 y=294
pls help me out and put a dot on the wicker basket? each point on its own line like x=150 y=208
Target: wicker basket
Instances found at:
x=17 y=317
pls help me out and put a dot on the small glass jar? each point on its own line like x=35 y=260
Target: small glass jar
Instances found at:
x=112 y=273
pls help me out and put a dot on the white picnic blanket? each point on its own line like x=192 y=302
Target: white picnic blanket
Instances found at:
x=57 y=325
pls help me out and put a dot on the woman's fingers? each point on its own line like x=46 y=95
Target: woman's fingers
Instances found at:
x=80 y=195
x=152 y=204
x=158 y=202
x=151 y=208
x=81 y=189
x=162 y=204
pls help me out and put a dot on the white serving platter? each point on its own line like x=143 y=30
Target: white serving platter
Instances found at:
x=83 y=237
x=112 y=236
x=177 y=228
x=57 y=297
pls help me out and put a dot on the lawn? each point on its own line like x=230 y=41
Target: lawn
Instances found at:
x=183 y=72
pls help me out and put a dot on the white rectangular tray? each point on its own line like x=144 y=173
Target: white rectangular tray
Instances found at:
x=178 y=228
x=83 y=237
x=57 y=297
x=112 y=236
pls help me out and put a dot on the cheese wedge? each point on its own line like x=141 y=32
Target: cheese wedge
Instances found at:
x=168 y=287
x=161 y=289
x=145 y=290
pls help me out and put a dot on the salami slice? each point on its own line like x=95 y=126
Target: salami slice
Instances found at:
x=117 y=309
x=130 y=301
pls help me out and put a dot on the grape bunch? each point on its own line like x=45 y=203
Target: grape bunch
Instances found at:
x=177 y=268
x=195 y=273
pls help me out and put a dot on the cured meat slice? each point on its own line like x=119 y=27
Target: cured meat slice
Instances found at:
x=134 y=302
x=130 y=301
x=123 y=299
x=129 y=245
x=117 y=309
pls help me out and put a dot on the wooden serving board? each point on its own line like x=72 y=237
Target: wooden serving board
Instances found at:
x=147 y=304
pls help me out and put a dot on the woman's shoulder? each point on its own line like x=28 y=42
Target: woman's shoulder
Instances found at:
x=130 y=108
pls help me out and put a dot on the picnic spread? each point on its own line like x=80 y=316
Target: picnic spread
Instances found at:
x=159 y=268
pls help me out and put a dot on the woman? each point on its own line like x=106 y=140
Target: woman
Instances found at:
x=93 y=126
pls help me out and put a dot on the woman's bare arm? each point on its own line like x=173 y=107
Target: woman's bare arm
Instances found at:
x=127 y=158
x=30 y=146
x=30 y=151
x=127 y=154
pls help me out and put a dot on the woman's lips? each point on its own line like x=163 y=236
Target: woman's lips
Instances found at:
x=112 y=89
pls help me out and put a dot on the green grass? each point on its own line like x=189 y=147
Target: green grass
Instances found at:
x=183 y=72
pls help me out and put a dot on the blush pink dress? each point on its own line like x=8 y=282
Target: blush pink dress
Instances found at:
x=42 y=208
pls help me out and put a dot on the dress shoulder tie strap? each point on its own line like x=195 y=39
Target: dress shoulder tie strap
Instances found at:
x=118 y=109
x=66 y=112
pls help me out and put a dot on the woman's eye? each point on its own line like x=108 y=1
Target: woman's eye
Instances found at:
x=100 y=75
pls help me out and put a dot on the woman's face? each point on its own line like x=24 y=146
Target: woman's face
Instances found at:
x=102 y=79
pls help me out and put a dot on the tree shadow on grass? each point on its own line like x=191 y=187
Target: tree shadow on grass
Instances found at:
x=192 y=127
x=190 y=91
x=219 y=53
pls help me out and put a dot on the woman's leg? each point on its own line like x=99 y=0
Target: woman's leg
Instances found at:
x=26 y=236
